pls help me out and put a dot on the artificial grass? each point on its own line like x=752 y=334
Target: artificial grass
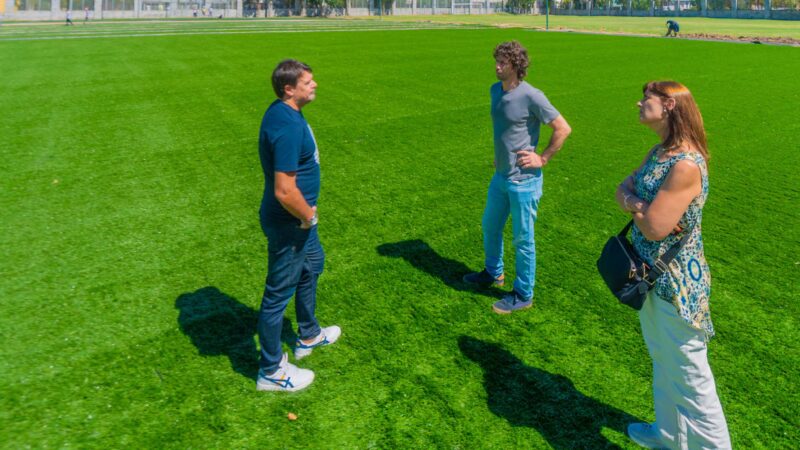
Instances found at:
x=134 y=263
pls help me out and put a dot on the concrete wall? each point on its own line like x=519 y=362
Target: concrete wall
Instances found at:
x=684 y=13
x=10 y=14
x=358 y=12
x=784 y=14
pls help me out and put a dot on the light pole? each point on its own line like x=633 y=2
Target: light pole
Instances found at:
x=546 y=15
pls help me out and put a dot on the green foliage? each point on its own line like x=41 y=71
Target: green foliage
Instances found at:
x=328 y=3
x=564 y=4
x=719 y=4
x=785 y=4
x=519 y=6
x=133 y=261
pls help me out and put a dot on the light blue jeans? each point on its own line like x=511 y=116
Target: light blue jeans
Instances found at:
x=521 y=200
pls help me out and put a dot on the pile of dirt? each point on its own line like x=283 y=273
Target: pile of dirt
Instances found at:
x=754 y=40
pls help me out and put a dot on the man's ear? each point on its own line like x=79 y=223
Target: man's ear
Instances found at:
x=669 y=103
x=288 y=91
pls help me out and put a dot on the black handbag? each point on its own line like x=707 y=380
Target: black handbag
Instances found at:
x=626 y=274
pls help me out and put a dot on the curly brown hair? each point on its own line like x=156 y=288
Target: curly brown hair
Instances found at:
x=515 y=54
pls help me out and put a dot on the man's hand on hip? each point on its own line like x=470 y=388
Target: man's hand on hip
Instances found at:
x=529 y=159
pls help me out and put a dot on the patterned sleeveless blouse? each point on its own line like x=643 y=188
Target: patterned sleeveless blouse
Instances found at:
x=687 y=284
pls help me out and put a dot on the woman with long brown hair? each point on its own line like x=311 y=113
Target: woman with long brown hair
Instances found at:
x=665 y=197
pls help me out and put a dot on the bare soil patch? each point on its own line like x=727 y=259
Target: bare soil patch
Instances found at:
x=754 y=40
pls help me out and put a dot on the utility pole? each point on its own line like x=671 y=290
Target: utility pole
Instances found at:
x=546 y=15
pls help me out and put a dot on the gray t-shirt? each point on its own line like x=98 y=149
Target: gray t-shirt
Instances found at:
x=517 y=116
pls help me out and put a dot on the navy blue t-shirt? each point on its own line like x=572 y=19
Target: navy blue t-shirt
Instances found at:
x=286 y=144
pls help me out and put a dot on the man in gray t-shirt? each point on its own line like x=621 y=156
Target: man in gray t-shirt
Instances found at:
x=518 y=110
x=517 y=116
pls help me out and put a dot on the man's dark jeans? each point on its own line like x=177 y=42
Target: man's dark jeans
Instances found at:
x=296 y=260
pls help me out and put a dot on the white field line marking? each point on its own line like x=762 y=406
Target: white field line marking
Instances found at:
x=141 y=27
x=102 y=33
x=337 y=30
x=189 y=22
x=189 y=33
x=81 y=32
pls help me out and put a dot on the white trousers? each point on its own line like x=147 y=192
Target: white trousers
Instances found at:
x=688 y=412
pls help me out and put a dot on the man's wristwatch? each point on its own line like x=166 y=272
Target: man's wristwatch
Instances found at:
x=310 y=222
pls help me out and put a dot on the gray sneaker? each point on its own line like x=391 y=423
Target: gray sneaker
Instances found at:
x=511 y=302
x=645 y=434
x=484 y=279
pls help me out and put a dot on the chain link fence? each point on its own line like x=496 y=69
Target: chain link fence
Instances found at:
x=117 y=9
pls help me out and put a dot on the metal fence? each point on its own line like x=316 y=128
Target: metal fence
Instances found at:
x=744 y=9
x=115 y=9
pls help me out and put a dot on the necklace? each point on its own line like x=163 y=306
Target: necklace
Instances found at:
x=661 y=152
x=657 y=154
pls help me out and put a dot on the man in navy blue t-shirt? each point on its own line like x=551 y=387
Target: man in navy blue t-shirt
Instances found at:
x=290 y=160
x=673 y=28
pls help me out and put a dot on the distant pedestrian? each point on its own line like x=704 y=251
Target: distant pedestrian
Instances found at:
x=69 y=18
x=210 y=12
x=194 y=11
x=672 y=28
x=85 y=14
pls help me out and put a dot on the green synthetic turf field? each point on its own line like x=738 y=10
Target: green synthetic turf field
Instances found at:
x=133 y=262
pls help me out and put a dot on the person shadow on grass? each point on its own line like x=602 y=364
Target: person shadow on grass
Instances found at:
x=550 y=403
x=420 y=255
x=220 y=325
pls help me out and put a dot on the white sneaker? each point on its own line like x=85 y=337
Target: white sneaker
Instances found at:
x=327 y=336
x=645 y=434
x=287 y=378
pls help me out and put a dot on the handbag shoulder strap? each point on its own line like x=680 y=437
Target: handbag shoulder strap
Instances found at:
x=660 y=265
x=625 y=229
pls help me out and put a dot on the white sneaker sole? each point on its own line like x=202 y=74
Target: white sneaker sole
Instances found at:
x=643 y=442
x=267 y=386
x=503 y=311
x=301 y=353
